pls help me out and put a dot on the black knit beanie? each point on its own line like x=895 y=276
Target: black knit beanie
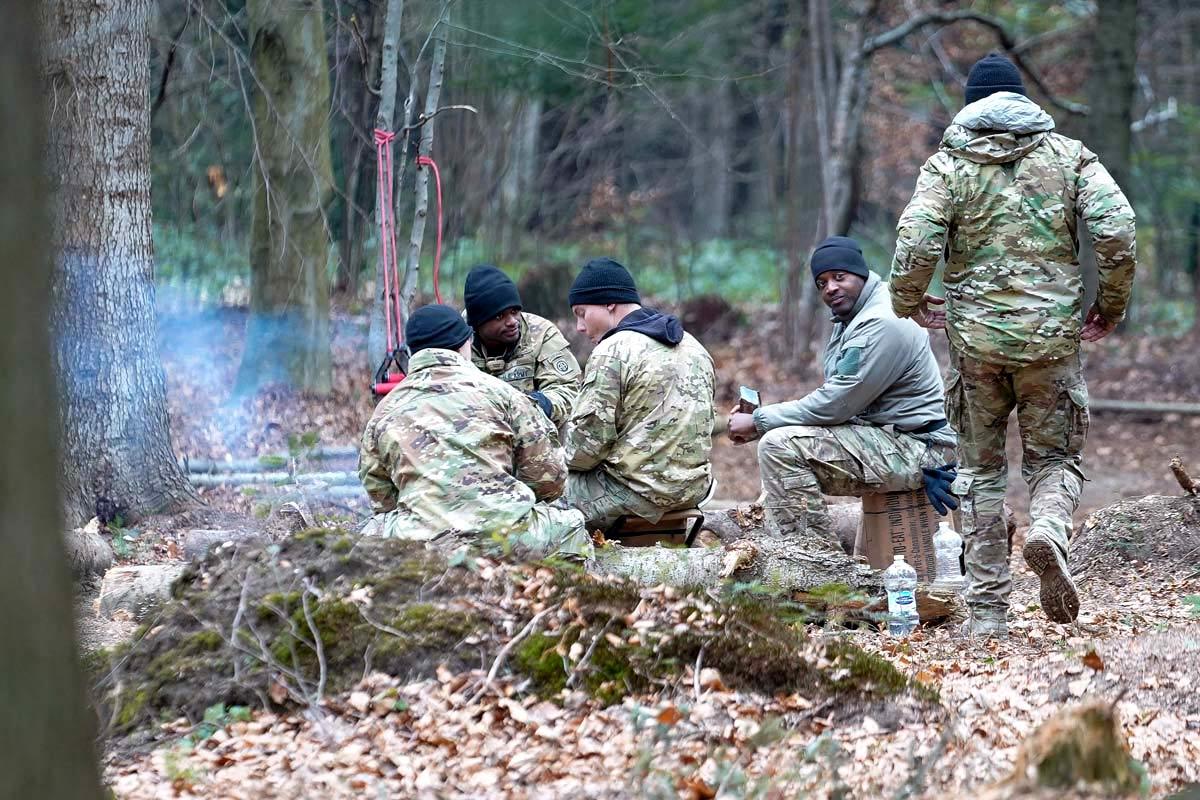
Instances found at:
x=840 y=253
x=488 y=292
x=436 y=326
x=603 y=281
x=990 y=74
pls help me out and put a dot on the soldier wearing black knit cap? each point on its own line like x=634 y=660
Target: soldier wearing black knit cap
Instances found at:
x=521 y=349
x=639 y=438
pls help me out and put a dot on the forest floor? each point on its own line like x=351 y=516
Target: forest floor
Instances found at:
x=1135 y=643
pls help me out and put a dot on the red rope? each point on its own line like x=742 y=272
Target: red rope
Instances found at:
x=387 y=238
x=426 y=161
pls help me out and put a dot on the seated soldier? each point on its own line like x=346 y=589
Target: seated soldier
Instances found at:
x=521 y=349
x=639 y=438
x=878 y=422
x=454 y=455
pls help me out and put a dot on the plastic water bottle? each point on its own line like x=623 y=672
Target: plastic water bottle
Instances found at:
x=947 y=549
x=900 y=580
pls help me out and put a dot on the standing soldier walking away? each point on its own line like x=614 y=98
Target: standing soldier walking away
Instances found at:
x=521 y=349
x=1001 y=198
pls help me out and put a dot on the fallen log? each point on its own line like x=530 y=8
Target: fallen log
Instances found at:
x=273 y=478
x=781 y=566
x=197 y=543
x=1143 y=407
x=137 y=590
x=268 y=461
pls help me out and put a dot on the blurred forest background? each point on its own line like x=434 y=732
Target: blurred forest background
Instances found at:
x=705 y=143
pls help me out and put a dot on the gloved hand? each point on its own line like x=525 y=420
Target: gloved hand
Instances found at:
x=544 y=403
x=937 y=487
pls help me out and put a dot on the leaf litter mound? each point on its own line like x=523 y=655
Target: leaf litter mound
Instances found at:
x=288 y=625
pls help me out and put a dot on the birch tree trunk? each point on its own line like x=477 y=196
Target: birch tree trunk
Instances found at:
x=385 y=119
x=115 y=435
x=436 y=70
x=287 y=336
x=46 y=730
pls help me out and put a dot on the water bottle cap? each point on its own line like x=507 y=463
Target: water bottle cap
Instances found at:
x=898 y=558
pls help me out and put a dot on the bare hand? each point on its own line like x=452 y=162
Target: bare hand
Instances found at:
x=1095 y=326
x=741 y=427
x=926 y=317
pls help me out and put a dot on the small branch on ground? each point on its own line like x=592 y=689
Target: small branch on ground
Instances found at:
x=1186 y=481
x=502 y=656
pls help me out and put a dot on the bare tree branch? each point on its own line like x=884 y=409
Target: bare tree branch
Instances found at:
x=1006 y=39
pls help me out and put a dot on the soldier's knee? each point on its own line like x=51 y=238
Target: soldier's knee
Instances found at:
x=783 y=446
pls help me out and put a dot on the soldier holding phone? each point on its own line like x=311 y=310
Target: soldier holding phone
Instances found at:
x=877 y=424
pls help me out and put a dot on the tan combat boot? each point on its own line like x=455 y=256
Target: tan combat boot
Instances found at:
x=985 y=625
x=1060 y=598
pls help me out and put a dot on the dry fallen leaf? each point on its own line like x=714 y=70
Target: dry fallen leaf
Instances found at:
x=1092 y=659
x=669 y=715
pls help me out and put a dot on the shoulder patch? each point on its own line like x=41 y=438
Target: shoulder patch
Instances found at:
x=561 y=365
x=849 y=362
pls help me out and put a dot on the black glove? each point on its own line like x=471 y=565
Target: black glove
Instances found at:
x=937 y=487
x=548 y=409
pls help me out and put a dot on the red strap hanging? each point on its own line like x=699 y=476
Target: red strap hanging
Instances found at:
x=385 y=379
x=385 y=210
x=426 y=161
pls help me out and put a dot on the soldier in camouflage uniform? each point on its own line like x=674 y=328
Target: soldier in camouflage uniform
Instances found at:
x=455 y=456
x=1000 y=200
x=877 y=424
x=639 y=438
x=521 y=349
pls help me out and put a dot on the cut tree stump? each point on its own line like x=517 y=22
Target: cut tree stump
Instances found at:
x=137 y=590
x=88 y=552
x=1079 y=747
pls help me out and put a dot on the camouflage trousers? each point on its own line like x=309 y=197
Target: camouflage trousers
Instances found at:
x=603 y=499
x=544 y=531
x=1052 y=411
x=800 y=463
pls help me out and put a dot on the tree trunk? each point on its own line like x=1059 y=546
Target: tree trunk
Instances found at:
x=436 y=68
x=116 y=438
x=1110 y=87
x=1110 y=92
x=46 y=737
x=385 y=118
x=287 y=337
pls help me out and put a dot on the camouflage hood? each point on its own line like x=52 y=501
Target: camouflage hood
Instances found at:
x=1000 y=128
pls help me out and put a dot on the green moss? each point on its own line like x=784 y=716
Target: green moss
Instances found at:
x=312 y=534
x=131 y=708
x=536 y=658
x=867 y=672
x=343 y=545
x=203 y=641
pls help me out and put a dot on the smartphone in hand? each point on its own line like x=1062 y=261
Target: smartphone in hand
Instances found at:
x=748 y=400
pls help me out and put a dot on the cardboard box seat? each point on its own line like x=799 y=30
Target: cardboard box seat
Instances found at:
x=675 y=527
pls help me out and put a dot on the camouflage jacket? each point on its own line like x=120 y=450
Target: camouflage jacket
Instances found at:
x=540 y=361
x=645 y=417
x=455 y=451
x=1001 y=199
